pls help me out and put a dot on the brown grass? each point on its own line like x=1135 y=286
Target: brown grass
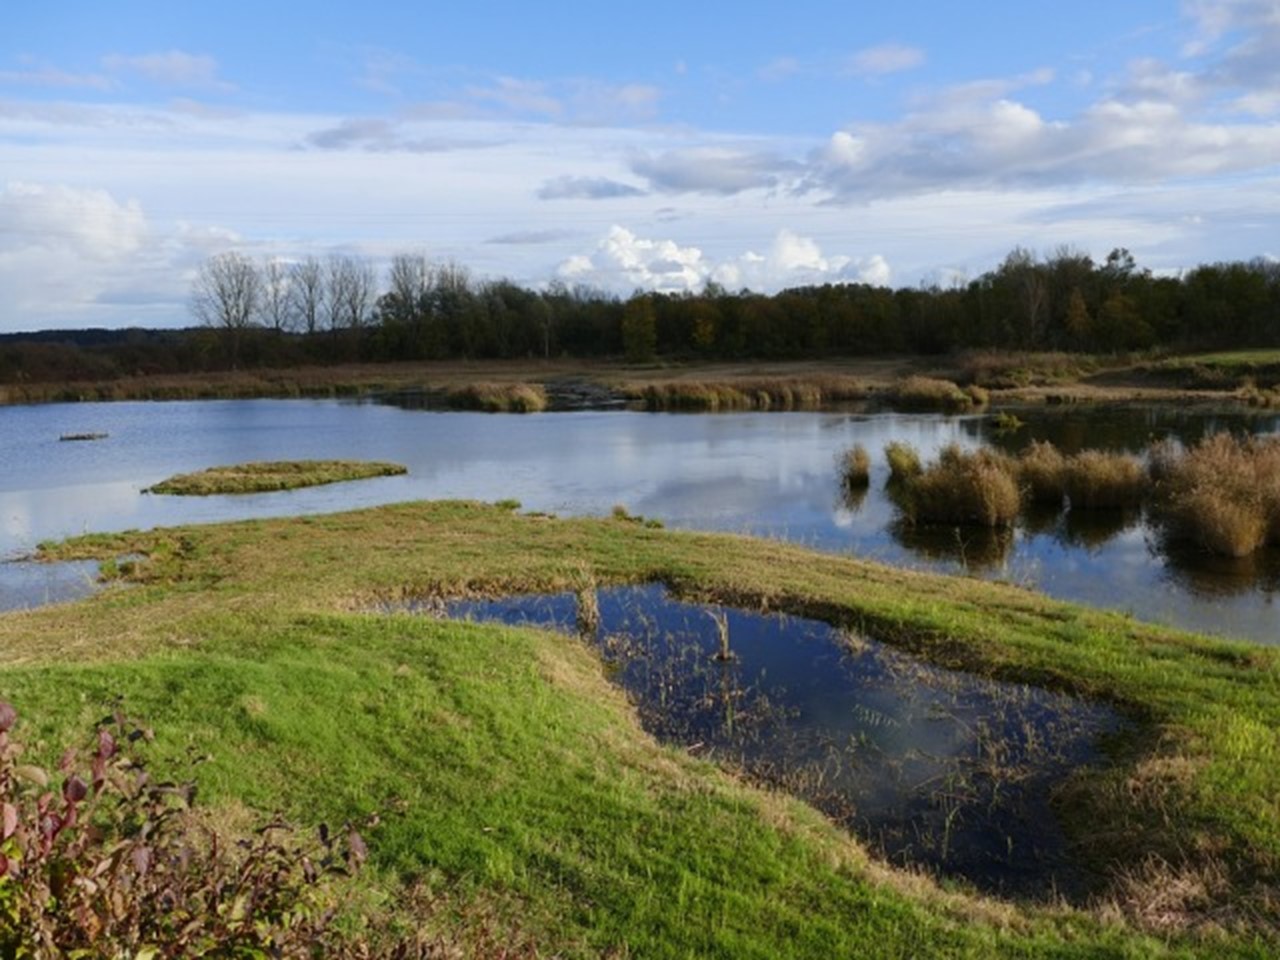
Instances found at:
x=1222 y=494
x=1097 y=480
x=855 y=467
x=904 y=462
x=976 y=488
x=930 y=393
x=1042 y=470
x=749 y=393
x=499 y=397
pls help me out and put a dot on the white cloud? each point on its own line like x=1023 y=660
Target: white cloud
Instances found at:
x=37 y=74
x=623 y=262
x=885 y=59
x=714 y=170
x=175 y=68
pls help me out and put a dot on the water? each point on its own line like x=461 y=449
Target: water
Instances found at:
x=25 y=584
x=766 y=473
x=931 y=767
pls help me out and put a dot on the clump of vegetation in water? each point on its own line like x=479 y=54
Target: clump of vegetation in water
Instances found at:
x=748 y=393
x=930 y=393
x=904 y=462
x=1222 y=494
x=1008 y=422
x=499 y=398
x=976 y=487
x=1098 y=480
x=71 y=437
x=855 y=467
x=1042 y=471
x=269 y=476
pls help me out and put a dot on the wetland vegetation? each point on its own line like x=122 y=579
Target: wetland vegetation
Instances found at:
x=271 y=475
x=517 y=791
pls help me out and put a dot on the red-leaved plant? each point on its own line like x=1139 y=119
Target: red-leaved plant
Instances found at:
x=100 y=860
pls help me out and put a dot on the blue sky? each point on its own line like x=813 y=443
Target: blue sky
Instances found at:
x=660 y=146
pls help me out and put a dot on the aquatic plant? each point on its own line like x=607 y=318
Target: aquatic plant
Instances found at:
x=931 y=393
x=1042 y=473
x=1223 y=494
x=273 y=475
x=961 y=487
x=904 y=462
x=855 y=467
x=1099 y=480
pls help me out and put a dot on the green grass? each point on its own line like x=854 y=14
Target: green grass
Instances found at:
x=268 y=476
x=514 y=781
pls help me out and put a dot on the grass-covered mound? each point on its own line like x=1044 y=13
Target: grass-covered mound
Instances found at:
x=268 y=476
x=519 y=798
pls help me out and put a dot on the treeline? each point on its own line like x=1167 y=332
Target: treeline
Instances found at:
x=340 y=310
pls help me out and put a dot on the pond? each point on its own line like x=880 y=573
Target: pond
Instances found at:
x=772 y=474
x=931 y=767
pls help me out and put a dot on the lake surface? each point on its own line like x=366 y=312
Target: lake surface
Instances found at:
x=931 y=767
x=772 y=474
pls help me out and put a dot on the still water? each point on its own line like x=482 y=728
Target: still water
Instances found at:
x=931 y=767
x=765 y=473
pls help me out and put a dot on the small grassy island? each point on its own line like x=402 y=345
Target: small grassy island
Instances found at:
x=521 y=805
x=268 y=476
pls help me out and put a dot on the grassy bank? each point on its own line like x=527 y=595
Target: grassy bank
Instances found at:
x=271 y=475
x=518 y=793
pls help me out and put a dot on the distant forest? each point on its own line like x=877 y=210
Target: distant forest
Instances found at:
x=257 y=315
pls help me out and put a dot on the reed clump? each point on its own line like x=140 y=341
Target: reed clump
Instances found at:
x=499 y=398
x=1098 y=480
x=1042 y=473
x=977 y=487
x=749 y=393
x=931 y=393
x=855 y=467
x=904 y=462
x=1223 y=494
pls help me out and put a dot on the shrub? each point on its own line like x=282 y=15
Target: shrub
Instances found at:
x=1097 y=480
x=904 y=462
x=112 y=864
x=965 y=488
x=855 y=467
x=1042 y=472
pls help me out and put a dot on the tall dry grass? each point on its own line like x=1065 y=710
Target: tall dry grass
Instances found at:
x=978 y=488
x=930 y=393
x=855 y=467
x=749 y=393
x=1223 y=494
x=904 y=462
x=1042 y=471
x=1099 y=480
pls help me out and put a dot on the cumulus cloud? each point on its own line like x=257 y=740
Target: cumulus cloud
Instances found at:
x=884 y=59
x=175 y=68
x=713 y=170
x=623 y=261
x=586 y=188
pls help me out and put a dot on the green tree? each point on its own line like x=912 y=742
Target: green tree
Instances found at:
x=639 y=329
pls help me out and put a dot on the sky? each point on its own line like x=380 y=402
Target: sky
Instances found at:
x=655 y=146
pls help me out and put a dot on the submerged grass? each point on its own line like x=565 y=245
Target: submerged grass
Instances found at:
x=514 y=782
x=272 y=475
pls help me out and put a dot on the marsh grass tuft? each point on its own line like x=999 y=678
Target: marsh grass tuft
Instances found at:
x=1042 y=471
x=855 y=467
x=1222 y=494
x=904 y=462
x=270 y=476
x=930 y=393
x=1098 y=480
x=749 y=393
x=499 y=397
x=976 y=487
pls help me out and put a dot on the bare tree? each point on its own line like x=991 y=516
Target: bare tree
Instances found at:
x=306 y=293
x=226 y=295
x=274 y=305
x=351 y=283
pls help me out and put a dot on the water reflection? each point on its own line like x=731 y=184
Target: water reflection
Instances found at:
x=26 y=584
x=771 y=474
x=932 y=767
